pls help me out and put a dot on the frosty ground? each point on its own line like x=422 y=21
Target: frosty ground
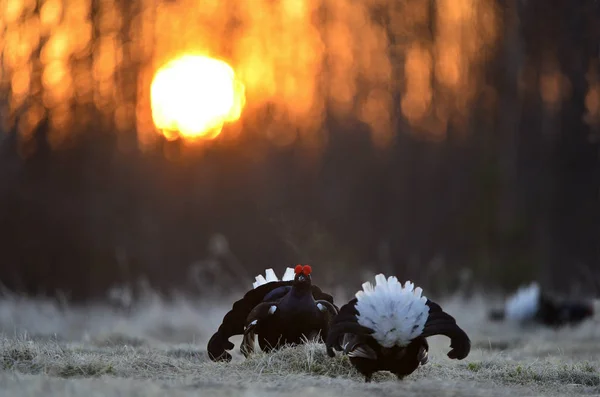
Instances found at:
x=158 y=347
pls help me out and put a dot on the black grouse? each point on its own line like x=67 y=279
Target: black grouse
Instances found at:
x=288 y=311
x=384 y=328
x=529 y=305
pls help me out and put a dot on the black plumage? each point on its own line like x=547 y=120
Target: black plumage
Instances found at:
x=278 y=313
x=368 y=356
x=553 y=312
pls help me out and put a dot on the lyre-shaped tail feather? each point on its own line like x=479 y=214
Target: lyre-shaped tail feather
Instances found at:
x=347 y=312
x=441 y=323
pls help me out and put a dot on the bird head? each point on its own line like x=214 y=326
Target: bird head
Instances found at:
x=302 y=277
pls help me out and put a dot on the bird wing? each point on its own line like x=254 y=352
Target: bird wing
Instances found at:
x=247 y=346
x=327 y=307
x=234 y=321
x=253 y=321
x=277 y=293
x=441 y=323
x=344 y=323
x=320 y=295
x=356 y=346
x=347 y=313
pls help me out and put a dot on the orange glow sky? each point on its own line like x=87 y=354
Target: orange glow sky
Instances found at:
x=296 y=55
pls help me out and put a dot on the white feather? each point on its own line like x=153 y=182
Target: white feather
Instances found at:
x=396 y=313
x=289 y=274
x=271 y=276
x=523 y=305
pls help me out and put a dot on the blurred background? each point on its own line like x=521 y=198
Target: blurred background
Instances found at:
x=451 y=142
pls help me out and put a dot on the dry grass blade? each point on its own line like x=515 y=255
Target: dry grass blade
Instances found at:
x=159 y=348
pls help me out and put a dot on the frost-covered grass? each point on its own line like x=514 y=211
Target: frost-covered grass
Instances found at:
x=157 y=348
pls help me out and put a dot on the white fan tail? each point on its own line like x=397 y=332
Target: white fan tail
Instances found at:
x=271 y=276
x=523 y=305
x=396 y=313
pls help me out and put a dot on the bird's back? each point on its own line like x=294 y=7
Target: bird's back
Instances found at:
x=277 y=293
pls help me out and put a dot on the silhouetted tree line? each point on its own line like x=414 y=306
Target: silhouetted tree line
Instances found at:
x=514 y=198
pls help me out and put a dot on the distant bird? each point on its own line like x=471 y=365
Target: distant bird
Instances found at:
x=530 y=305
x=384 y=328
x=279 y=312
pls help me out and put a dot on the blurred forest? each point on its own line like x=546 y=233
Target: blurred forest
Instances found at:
x=442 y=141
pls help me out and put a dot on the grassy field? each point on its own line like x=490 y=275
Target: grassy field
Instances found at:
x=157 y=348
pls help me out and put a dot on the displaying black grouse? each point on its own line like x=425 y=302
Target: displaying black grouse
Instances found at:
x=385 y=329
x=529 y=305
x=279 y=312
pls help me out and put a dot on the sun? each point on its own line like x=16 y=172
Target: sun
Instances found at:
x=193 y=96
